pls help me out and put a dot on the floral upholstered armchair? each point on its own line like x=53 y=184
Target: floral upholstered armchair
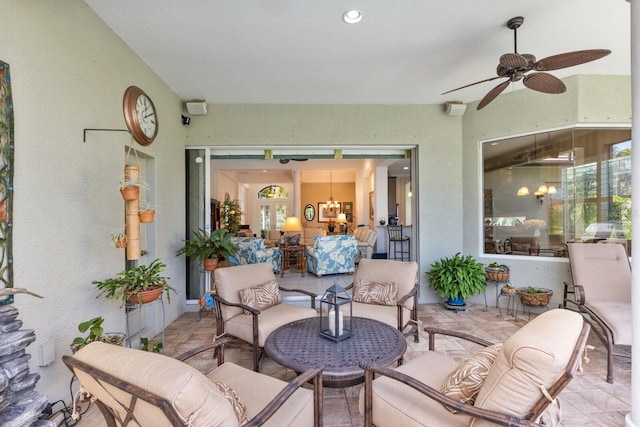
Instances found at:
x=332 y=255
x=252 y=250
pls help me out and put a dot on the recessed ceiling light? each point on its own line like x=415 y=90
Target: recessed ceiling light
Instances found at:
x=352 y=16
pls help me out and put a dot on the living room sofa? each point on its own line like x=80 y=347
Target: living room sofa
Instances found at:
x=252 y=250
x=332 y=255
x=306 y=236
x=366 y=239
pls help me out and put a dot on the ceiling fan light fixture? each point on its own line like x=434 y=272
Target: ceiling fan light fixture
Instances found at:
x=352 y=16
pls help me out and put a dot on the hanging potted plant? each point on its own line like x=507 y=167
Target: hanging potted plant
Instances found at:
x=457 y=278
x=130 y=189
x=146 y=212
x=139 y=285
x=119 y=238
x=207 y=248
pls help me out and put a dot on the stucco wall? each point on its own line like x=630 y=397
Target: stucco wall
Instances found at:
x=69 y=72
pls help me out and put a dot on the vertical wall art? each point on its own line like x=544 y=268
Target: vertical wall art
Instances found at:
x=6 y=182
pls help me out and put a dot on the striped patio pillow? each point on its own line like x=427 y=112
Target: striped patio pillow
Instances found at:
x=381 y=293
x=262 y=296
x=464 y=382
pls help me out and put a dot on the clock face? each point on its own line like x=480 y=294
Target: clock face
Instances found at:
x=146 y=116
x=140 y=115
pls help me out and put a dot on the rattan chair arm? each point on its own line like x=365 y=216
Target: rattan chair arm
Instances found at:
x=261 y=417
x=437 y=331
x=412 y=293
x=485 y=414
x=233 y=304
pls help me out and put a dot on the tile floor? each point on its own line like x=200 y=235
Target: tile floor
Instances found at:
x=588 y=400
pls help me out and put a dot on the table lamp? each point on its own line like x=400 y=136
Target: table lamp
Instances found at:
x=342 y=220
x=292 y=224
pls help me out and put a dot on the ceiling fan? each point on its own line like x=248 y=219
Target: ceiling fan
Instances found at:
x=514 y=66
x=285 y=161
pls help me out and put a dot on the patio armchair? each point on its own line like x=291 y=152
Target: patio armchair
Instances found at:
x=387 y=290
x=602 y=292
x=249 y=305
x=510 y=384
x=135 y=387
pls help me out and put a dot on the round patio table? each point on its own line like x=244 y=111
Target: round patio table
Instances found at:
x=299 y=346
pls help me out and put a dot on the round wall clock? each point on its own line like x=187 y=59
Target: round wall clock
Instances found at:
x=309 y=212
x=140 y=115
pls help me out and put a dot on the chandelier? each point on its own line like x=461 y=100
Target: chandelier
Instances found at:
x=332 y=205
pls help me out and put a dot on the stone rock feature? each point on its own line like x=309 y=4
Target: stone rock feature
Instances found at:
x=20 y=404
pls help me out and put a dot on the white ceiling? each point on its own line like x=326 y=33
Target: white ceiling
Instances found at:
x=403 y=51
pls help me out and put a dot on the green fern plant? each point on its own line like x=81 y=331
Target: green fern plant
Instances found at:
x=457 y=276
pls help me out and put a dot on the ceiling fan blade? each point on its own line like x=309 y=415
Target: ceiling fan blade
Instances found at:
x=492 y=94
x=544 y=82
x=472 y=84
x=513 y=61
x=569 y=59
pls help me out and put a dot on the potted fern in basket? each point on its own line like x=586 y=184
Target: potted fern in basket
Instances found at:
x=457 y=278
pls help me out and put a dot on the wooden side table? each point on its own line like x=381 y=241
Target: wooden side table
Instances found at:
x=293 y=257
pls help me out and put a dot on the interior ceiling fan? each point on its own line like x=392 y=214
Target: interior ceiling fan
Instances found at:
x=514 y=66
x=285 y=161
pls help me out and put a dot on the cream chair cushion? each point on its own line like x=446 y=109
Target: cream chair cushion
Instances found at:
x=532 y=358
x=404 y=274
x=190 y=392
x=193 y=395
x=229 y=281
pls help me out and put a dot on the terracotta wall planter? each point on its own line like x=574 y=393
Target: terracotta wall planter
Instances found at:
x=130 y=193
x=146 y=216
x=121 y=242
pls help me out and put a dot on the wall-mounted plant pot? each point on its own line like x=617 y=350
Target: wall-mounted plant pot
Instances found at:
x=210 y=264
x=121 y=242
x=130 y=193
x=151 y=294
x=146 y=216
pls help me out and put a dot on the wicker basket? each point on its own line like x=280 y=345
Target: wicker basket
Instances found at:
x=537 y=299
x=497 y=275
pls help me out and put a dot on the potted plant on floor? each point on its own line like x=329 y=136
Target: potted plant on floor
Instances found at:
x=457 y=278
x=95 y=333
x=139 y=285
x=207 y=248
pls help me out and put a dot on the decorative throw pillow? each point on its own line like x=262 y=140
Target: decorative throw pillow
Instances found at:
x=262 y=296
x=381 y=293
x=238 y=405
x=465 y=381
x=294 y=240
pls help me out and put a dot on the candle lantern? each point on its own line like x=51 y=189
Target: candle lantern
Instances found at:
x=335 y=314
